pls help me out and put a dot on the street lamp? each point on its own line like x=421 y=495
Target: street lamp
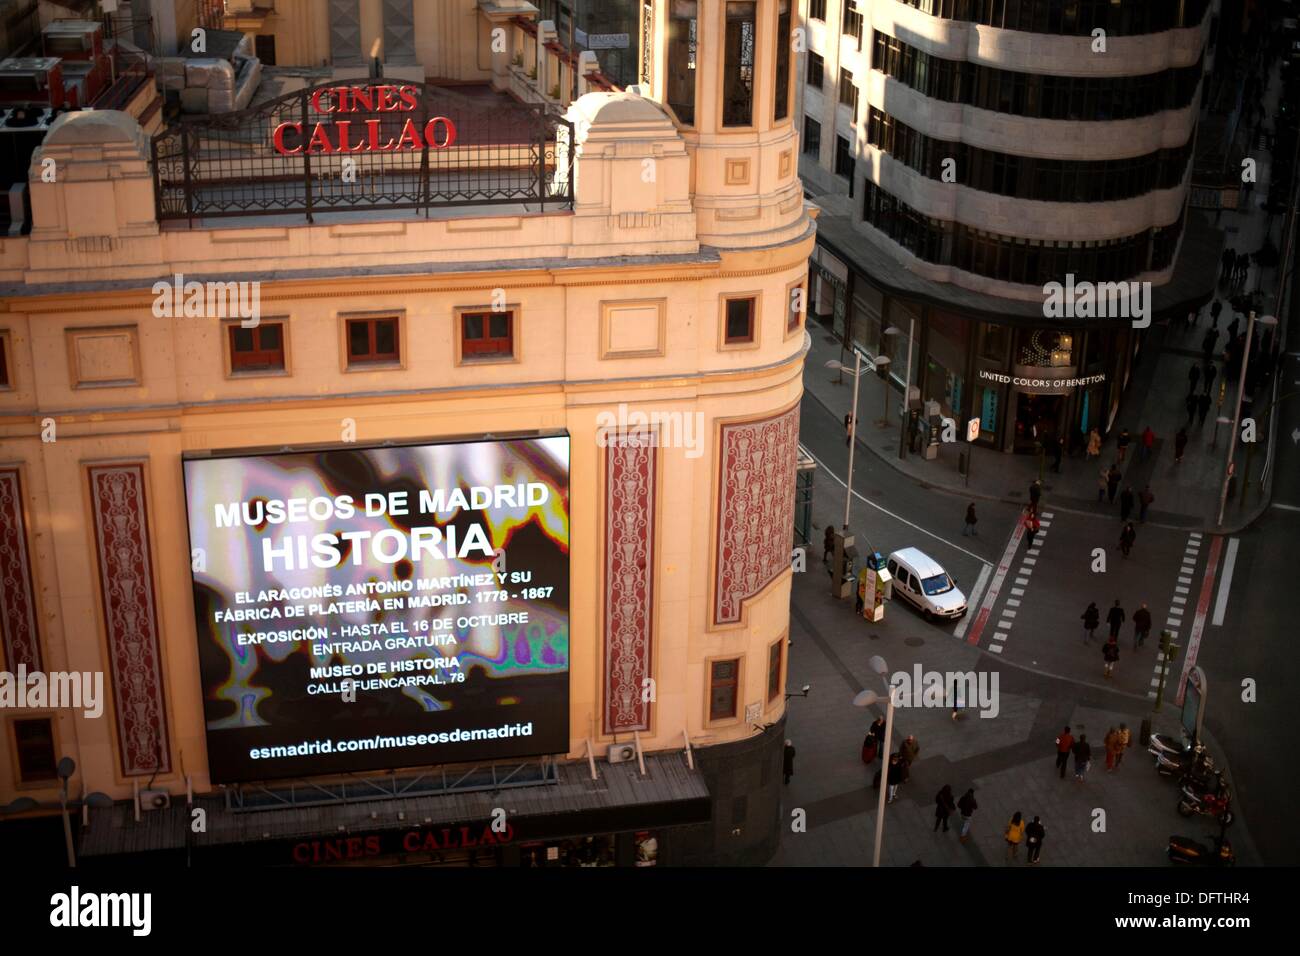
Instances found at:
x=894 y=330
x=66 y=768
x=869 y=698
x=803 y=693
x=1267 y=321
x=853 y=426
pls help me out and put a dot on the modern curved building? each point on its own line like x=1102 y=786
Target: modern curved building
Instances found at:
x=971 y=154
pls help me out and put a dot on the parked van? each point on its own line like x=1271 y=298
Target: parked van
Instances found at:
x=922 y=582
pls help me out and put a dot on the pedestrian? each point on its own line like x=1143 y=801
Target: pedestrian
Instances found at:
x=1208 y=376
x=894 y=777
x=1141 y=625
x=1126 y=503
x=1094 y=443
x=848 y=429
x=1215 y=311
x=1148 y=442
x=970 y=521
x=878 y=731
x=1102 y=482
x=1082 y=758
x=1180 y=442
x=1232 y=329
x=1210 y=342
x=1190 y=403
x=1014 y=835
x=1112 y=482
x=1030 y=522
x=1243 y=266
x=1121 y=444
x=908 y=752
x=828 y=544
x=1091 y=617
x=1125 y=741
x=1109 y=656
x=1144 y=502
x=944 y=807
x=1057 y=444
x=1108 y=744
x=1127 y=538
x=1225 y=263
x=1193 y=377
x=967 y=806
x=1064 y=744
x=787 y=763
x=1115 y=618
x=1035 y=493
x=1034 y=834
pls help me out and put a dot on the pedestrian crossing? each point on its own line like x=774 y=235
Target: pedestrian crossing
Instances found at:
x=1009 y=609
x=1177 y=608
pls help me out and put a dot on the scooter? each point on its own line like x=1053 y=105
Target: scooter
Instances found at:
x=1215 y=803
x=1158 y=744
x=1188 y=852
x=1198 y=763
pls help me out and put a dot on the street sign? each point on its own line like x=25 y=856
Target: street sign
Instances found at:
x=973 y=429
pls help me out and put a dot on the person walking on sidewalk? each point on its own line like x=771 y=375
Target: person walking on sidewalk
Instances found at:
x=1208 y=377
x=1103 y=480
x=944 y=807
x=1126 y=503
x=878 y=731
x=1144 y=502
x=967 y=806
x=1193 y=377
x=1215 y=311
x=828 y=545
x=1141 y=626
x=1190 y=403
x=1057 y=444
x=909 y=751
x=1035 y=493
x=1015 y=835
x=1110 y=656
x=1148 y=443
x=1094 y=444
x=1125 y=741
x=1127 y=537
x=1115 y=618
x=848 y=429
x=1030 y=522
x=787 y=761
x=1108 y=743
x=1225 y=264
x=1034 y=834
x=1180 y=440
x=1121 y=444
x=970 y=521
x=1112 y=482
x=1082 y=758
x=1209 y=343
x=894 y=777
x=1064 y=744
x=1091 y=617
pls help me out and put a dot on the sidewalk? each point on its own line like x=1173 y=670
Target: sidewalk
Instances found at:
x=1187 y=494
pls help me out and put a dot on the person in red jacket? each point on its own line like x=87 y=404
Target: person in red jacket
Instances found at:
x=1064 y=744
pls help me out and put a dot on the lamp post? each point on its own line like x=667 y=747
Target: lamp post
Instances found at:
x=1267 y=321
x=869 y=698
x=882 y=366
x=66 y=768
x=853 y=427
x=907 y=385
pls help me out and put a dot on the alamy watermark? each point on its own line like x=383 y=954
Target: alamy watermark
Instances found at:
x=208 y=300
x=951 y=690
x=77 y=690
x=1098 y=300
x=667 y=429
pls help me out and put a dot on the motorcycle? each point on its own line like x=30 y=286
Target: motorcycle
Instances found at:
x=1158 y=744
x=1197 y=764
x=1188 y=852
x=1215 y=802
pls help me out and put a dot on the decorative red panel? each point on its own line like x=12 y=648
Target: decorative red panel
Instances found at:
x=629 y=578
x=755 y=509
x=17 y=600
x=130 y=616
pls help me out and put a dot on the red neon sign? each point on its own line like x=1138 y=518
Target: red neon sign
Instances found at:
x=288 y=139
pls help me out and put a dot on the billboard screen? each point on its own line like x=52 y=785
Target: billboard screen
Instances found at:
x=369 y=608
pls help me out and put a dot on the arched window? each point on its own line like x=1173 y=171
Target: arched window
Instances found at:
x=683 y=55
x=738 y=64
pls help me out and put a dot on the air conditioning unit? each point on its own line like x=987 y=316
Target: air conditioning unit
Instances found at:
x=621 y=753
x=155 y=800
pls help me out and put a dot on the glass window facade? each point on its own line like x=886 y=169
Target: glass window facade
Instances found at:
x=1070 y=17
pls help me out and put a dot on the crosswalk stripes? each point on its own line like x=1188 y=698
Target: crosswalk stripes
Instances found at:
x=1178 y=605
x=1007 y=617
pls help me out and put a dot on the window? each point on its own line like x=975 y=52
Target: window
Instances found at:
x=817 y=10
x=853 y=21
x=259 y=349
x=739 y=320
x=844 y=159
x=372 y=340
x=816 y=70
x=812 y=137
x=4 y=360
x=783 y=43
x=487 y=334
x=683 y=50
x=723 y=685
x=774 y=670
x=34 y=742
x=848 y=92
x=738 y=64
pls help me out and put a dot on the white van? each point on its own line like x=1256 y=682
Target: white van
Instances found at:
x=920 y=580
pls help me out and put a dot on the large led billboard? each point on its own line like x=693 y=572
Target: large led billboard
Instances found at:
x=369 y=608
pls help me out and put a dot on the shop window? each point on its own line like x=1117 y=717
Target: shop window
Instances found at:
x=738 y=64
x=816 y=70
x=259 y=349
x=739 y=319
x=812 y=137
x=784 y=41
x=34 y=745
x=724 y=685
x=774 y=670
x=683 y=51
x=372 y=341
x=487 y=334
